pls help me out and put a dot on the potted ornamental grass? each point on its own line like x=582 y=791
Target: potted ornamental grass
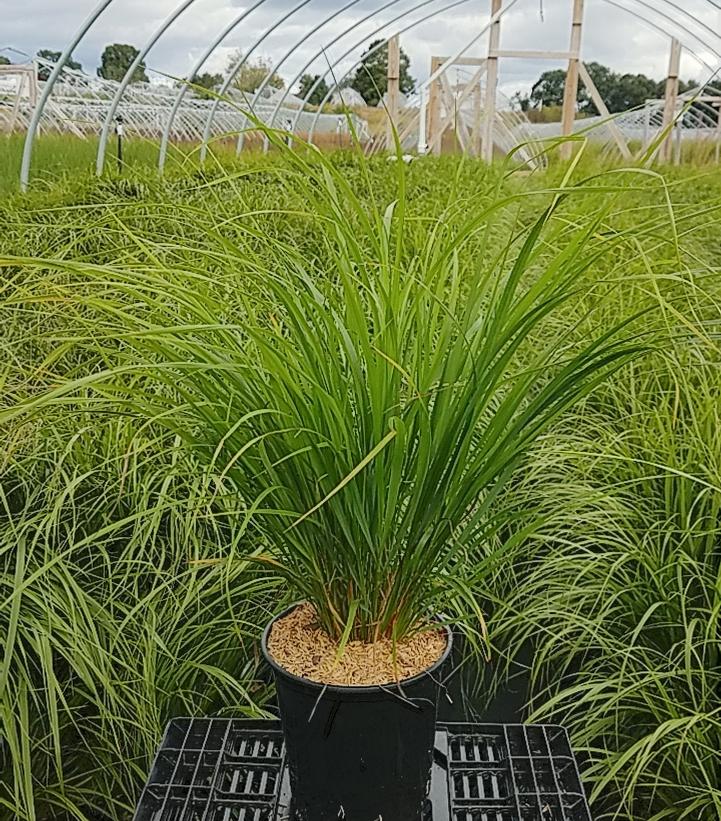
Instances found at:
x=367 y=399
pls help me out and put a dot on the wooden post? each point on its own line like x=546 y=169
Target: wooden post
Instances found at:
x=571 y=90
x=494 y=41
x=669 y=108
x=598 y=101
x=434 y=108
x=451 y=105
x=477 y=118
x=394 y=88
x=33 y=83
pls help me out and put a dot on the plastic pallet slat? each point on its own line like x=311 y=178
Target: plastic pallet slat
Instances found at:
x=211 y=769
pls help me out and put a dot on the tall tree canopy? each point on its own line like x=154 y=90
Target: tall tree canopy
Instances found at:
x=253 y=73
x=207 y=81
x=4 y=61
x=53 y=57
x=307 y=81
x=371 y=78
x=619 y=91
x=116 y=60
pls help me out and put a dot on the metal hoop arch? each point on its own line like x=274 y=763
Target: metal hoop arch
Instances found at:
x=196 y=68
x=691 y=28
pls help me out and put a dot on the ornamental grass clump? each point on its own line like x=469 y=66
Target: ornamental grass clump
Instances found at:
x=365 y=396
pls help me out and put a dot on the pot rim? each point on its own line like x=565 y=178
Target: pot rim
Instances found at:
x=347 y=688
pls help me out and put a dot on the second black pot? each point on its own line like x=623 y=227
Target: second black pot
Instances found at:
x=358 y=753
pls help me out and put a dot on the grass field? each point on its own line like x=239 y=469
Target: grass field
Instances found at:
x=58 y=159
x=115 y=611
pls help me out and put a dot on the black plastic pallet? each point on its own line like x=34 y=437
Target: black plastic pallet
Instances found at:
x=213 y=769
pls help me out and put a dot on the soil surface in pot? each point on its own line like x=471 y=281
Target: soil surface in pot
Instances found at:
x=300 y=645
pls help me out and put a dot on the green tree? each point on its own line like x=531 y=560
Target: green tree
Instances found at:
x=683 y=86
x=208 y=81
x=548 y=89
x=253 y=73
x=53 y=57
x=521 y=102
x=618 y=91
x=307 y=81
x=116 y=60
x=371 y=78
x=605 y=81
x=4 y=61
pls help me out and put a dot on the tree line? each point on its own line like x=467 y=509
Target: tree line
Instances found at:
x=369 y=80
x=619 y=91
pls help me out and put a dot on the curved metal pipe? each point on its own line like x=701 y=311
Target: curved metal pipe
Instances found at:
x=355 y=46
x=47 y=90
x=690 y=26
x=168 y=127
x=142 y=54
x=372 y=51
x=234 y=71
x=676 y=23
x=499 y=16
x=319 y=53
x=664 y=31
x=261 y=88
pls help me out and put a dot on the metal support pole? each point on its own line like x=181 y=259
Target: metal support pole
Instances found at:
x=571 y=90
x=394 y=89
x=119 y=129
x=494 y=42
x=128 y=78
x=48 y=90
x=671 y=99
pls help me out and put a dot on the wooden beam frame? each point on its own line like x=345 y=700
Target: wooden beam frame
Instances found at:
x=494 y=42
x=434 y=105
x=450 y=99
x=603 y=111
x=531 y=54
x=463 y=61
x=462 y=134
x=485 y=118
x=671 y=100
x=571 y=89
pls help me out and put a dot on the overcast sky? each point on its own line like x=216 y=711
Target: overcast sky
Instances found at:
x=612 y=35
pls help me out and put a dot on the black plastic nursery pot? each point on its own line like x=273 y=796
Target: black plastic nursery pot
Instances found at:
x=358 y=753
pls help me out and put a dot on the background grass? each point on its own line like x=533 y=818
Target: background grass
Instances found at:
x=610 y=571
